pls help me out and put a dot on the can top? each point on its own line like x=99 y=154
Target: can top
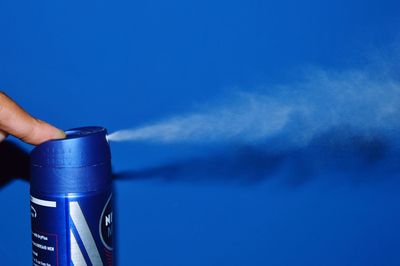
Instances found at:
x=85 y=146
x=79 y=163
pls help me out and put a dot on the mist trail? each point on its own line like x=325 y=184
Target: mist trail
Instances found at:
x=359 y=102
x=248 y=117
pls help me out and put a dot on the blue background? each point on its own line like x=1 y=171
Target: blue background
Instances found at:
x=124 y=63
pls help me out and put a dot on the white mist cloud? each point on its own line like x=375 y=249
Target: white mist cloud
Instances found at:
x=250 y=117
x=359 y=101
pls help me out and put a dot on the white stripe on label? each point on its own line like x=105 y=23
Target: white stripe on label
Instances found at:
x=76 y=253
x=44 y=203
x=84 y=233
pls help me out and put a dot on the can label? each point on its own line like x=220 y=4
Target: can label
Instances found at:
x=72 y=229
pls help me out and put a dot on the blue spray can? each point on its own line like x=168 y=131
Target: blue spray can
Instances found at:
x=71 y=200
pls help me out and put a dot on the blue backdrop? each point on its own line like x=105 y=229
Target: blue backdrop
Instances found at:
x=124 y=63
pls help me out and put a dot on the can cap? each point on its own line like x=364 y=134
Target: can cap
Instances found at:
x=80 y=162
x=82 y=147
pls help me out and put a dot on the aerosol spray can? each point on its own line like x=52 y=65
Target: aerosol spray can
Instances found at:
x=71 y=200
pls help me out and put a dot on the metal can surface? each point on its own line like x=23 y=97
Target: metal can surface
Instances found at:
x=71 y=200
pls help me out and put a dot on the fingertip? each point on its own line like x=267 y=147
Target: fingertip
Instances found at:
x=50 y=132
x=42 y=132
x=59 y=134
x=3 y=135
x=17 y=122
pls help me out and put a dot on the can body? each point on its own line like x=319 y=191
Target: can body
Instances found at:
x=72 y=228
x=71 y=205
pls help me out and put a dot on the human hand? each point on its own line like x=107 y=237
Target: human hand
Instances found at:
x=17 y=122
